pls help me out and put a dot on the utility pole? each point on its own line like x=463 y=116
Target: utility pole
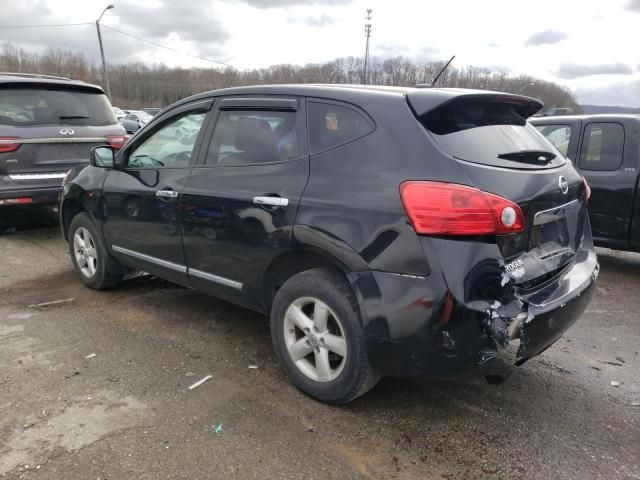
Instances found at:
x=105 y=75
x=367 y=32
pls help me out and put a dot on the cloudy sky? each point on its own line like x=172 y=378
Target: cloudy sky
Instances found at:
x=591 y=46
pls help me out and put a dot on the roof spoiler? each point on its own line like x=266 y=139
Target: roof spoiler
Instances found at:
x=32 y=75
x=424 y=100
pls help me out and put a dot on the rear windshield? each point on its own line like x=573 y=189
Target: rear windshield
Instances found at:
x=490 y=130
x=36 y=106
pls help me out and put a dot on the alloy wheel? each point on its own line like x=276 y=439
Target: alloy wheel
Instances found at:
x=84 y=250
x=315 y=339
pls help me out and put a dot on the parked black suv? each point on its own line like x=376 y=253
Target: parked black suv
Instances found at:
x=606 y=150
x=387 y=231
x=47 y=126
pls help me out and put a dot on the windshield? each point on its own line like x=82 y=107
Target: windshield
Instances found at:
x=37 y=106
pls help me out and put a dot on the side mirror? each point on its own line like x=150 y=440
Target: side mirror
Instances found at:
x=103 y=157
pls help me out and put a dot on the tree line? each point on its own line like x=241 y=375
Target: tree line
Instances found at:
x=136 y=85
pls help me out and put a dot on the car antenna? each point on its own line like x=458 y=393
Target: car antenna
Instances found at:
x=437 y=77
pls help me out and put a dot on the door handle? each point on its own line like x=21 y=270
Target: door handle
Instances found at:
x=167 y=194
x=272 y=201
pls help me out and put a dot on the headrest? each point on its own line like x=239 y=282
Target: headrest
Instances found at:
x=254 y=135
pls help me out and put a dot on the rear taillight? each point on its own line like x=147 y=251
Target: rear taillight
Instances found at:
x=118 y=141
x=587 y=190
x=16 y=201
x=436 y=208
x=8 y=144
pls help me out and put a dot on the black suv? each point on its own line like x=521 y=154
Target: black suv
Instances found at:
x=387 y=231
x=47 y=126
x=606 y=150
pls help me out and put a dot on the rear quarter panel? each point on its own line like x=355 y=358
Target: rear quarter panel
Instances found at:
x=352 y=201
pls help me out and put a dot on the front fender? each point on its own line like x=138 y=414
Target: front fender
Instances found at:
x=81 y=193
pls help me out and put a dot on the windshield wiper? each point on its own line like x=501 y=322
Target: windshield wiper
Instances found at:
x=71 y=117
x=529 y=156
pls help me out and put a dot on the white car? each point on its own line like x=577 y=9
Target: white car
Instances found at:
x=118 y=113
x=135 y=120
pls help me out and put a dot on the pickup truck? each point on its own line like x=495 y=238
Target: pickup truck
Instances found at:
x=606 y=151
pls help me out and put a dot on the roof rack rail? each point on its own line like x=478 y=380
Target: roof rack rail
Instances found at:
x=32 y=75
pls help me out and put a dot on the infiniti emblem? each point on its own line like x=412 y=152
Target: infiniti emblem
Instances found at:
x=563 y=184
x=66 y=131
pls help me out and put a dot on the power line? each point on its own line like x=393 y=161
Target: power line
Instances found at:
x=165 y=47
x=120 y=32
x=45 y=25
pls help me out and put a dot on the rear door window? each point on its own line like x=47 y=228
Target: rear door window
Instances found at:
x=37 y=106
x=249 y=137
x=602 y=147
x=332 y=125
x=558 y=135
x=491 y=130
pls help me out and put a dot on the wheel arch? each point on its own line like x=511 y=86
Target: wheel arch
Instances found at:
x=292 y=262
x=71 y=206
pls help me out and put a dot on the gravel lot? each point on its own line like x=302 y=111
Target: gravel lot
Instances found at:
x=96 y=387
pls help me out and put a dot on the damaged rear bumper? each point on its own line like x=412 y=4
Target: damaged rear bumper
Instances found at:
x=439 y=327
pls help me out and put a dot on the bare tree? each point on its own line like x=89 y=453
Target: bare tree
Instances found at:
x=137 y=84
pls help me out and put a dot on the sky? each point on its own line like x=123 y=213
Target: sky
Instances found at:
x=589 y=46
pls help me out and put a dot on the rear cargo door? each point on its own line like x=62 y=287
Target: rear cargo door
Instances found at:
x=46 y=131
x=500 y=153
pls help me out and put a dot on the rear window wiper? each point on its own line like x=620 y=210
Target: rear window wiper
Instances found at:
x=72 y=117
x=529 y=156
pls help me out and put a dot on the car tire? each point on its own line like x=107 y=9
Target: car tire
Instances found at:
x=90 y=258
x=323 y=353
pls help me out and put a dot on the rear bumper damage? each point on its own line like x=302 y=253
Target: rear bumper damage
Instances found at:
x=442 y=326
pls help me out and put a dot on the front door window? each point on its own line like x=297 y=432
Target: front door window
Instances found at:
x=171 y=146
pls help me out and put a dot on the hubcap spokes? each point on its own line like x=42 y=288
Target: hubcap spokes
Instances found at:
x=84 y=250
x=315 y=339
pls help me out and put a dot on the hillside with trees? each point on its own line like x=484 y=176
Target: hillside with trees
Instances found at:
x=136 y=85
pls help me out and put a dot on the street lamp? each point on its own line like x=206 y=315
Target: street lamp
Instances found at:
x=105 y=75
x=530 y=84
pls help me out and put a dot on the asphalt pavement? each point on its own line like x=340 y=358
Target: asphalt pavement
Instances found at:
x=95 y=385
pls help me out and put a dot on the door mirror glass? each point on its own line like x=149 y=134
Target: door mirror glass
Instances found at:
x=102 y=157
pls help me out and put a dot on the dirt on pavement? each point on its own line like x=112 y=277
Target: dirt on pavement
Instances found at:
x=96 y=386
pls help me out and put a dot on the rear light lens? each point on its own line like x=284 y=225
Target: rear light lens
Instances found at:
x=118 y=141
x=7 y=144
x=16 y=201
x=436 y=208
x=587 y=190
